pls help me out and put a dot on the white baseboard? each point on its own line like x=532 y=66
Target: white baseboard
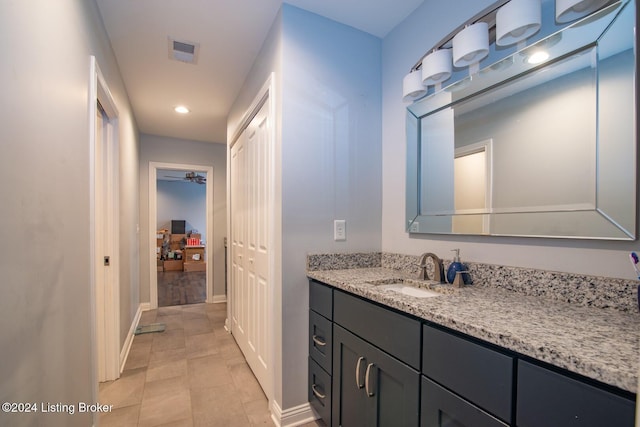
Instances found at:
x=124 y=353
x=217 y=299
x=291 y=417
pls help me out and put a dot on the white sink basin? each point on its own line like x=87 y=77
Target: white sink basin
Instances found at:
x=409 y=290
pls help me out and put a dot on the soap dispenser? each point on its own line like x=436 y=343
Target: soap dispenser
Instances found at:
x=455 y=267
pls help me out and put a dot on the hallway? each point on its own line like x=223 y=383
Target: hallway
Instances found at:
x=193 y=374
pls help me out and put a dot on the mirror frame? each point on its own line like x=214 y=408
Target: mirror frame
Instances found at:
x=441 y=223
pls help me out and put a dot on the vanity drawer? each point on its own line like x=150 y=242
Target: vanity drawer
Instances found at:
x=321 y=299
x=320 y=340
x=320 y=391
x=477 y=373
x=394 y=333
x=547 y=398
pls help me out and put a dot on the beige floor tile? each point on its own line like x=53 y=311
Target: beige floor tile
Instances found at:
x=197 y=325
x=194 y=309
x=215 y=400
x=167 y=355
x=192 y=374
x=208 y=371
x=167 y=311
x=201 y=345
x=172 y=321
x=216 y=307
x=167 y=369
x=246 y=382
x=180 y=423
x=125 y=391
x=138 y=354
x=121 y=417
x=165 y=409
x=165 y=401
x=258 y=412
x=168 y=340
x=220 y=420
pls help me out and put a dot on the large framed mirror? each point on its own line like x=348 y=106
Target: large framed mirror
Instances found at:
x=525 y=149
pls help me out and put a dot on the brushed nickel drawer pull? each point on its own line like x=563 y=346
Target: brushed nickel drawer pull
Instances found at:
x=317 y=393
x=360 y=359
x=319 y=341
x=366 y=380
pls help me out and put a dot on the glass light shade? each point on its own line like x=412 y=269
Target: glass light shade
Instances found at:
x=412 y=86
x=570 y=10
x=436 y=67
x=517 y=20
x=471 y=44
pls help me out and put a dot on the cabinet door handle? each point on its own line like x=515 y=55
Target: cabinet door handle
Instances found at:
x=319 y=341
x=366 y=379
x=317 y=393
x=360 y=359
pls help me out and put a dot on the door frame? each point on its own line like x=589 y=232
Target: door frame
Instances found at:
x=105 y=303
x=153 y=217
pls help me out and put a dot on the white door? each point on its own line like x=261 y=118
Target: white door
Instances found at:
x=105 y=250
x=251 y=178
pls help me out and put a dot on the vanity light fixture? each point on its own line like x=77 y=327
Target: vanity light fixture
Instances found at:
x=181 y=109
x=436 y=67
x=471 y=44
x=570 y=10
x=517 y=20
x=412 y=86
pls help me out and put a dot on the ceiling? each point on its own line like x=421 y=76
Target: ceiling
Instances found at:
x=229 y=39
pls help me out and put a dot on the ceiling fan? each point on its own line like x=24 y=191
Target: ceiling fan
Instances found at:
x=191 y=177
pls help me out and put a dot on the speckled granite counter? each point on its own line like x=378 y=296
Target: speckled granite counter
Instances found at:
x=597 y=343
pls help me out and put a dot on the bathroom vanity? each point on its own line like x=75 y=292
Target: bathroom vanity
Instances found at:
x=476 y=356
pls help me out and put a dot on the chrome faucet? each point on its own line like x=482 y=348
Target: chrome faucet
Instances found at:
x=438 y=268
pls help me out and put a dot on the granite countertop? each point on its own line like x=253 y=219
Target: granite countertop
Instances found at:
x=597 y=343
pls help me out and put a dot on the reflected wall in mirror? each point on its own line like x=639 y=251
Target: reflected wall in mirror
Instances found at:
x=523 y=149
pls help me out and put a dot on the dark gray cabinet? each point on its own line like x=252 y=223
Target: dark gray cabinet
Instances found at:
x=479 y=374
x=373 y=366
x=320 y=349
x=547 y=398
x=371 y=388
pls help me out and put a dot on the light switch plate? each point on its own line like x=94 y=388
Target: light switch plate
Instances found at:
x=339 y=230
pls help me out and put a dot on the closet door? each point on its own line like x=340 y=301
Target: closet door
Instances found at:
x=251 y=178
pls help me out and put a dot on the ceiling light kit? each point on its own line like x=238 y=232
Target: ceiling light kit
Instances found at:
x=181 y=109
x=507 y=23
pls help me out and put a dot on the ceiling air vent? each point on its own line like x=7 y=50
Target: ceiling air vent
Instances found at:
x=183 y=51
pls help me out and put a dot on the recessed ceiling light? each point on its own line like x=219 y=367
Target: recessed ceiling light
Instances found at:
x=538 y=57
x=181 y=109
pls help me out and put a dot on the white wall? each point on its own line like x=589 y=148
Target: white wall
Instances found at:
x=183 y=201
x=400 y=50
x=44 y=174
x=169 y=150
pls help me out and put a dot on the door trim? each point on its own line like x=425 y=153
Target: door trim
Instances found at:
x=106 y=304
x=153 y=217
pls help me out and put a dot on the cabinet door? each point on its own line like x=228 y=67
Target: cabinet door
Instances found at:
x=371 y=388
x=547 y=398
x=442 y=408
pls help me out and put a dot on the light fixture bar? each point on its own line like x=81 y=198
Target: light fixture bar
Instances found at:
x=487 y=15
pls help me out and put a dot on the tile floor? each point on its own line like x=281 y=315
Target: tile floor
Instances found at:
x=193 y=374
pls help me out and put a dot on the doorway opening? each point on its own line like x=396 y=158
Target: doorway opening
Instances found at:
x=473 y=172
x=160 y=244
x=181 y=237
